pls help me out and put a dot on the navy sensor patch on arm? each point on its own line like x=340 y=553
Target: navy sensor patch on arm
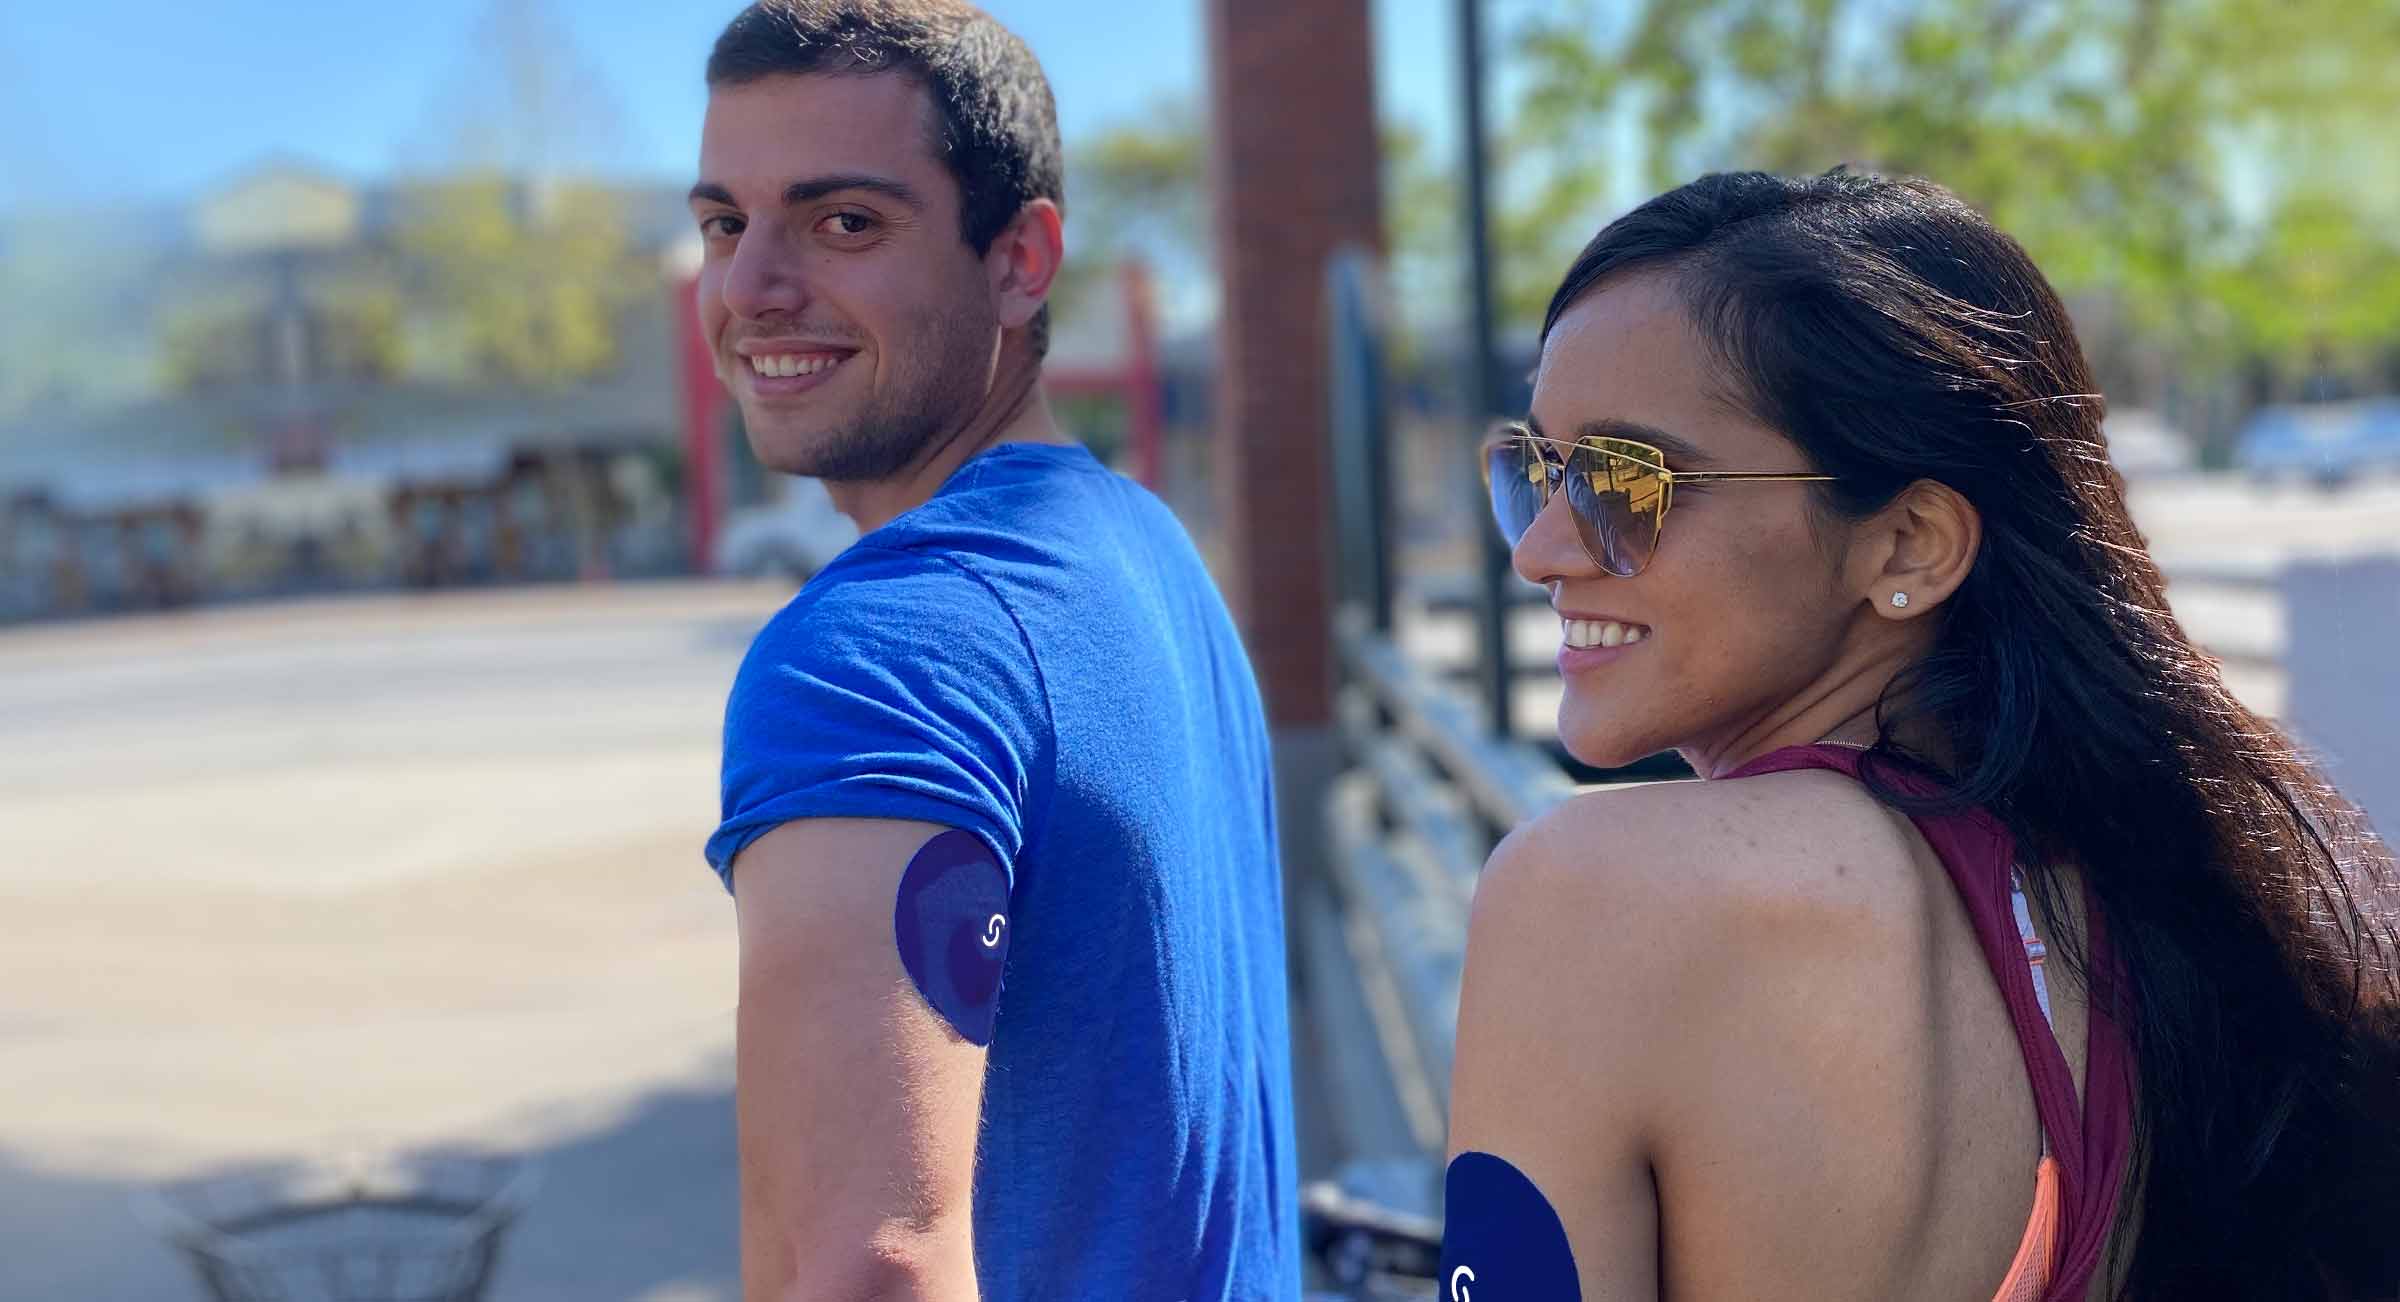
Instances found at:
x=1500 y=1239
x=951 y=924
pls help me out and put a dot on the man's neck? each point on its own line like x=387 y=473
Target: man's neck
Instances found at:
x=1015 y=411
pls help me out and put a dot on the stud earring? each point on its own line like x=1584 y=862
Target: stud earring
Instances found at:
x=1899 y=601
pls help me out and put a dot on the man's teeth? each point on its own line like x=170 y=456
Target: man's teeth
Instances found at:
x=1603 y=632
x=783 y=364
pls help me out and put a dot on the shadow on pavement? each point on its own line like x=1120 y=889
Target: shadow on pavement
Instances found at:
x=643 y=1211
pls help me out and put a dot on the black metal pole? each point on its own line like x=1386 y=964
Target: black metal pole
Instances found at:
x=1362 y=478
x=1375 y=441
x=1491 y=606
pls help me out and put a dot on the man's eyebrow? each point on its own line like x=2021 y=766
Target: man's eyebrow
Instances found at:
x=816 y=187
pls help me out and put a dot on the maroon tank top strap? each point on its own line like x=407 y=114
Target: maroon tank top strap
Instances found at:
x=2092 y=1141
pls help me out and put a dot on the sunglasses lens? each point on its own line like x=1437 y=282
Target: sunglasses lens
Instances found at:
x=1514 y=471
x=1617 y=502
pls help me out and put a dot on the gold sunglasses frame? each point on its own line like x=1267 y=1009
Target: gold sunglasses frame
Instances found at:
x=1643 y=455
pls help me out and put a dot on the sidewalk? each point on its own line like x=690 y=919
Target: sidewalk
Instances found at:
x=292 y=883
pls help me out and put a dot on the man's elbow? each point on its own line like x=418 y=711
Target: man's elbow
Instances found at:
x=890 y=1266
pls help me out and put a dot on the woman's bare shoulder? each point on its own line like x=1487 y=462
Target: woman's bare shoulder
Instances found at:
x=1635 y=966
x=1649 y=964
x=1708 y=855
x=1627 y=932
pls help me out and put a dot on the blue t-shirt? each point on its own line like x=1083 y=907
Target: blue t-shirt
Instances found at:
x=1037 y=656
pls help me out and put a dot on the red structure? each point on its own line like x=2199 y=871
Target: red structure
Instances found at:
x=1296 y=175
x=707 y=423
x=1136 y=383
x=704 y=423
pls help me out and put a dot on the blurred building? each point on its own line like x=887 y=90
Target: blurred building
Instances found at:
x=308 y=381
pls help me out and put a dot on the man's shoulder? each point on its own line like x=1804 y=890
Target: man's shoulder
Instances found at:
x=913 y=583
x=891 y=613
x=893 y=685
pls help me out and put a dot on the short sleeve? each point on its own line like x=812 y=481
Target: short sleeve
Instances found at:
x=898 y=684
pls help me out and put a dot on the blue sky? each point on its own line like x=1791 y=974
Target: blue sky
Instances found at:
x=154 y=99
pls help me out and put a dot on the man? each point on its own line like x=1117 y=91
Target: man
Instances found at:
x=996 y=787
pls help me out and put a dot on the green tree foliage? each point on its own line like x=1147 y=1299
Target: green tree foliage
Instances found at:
x=366 y=336
x=2120 y=140
x=525 y=284
x=62 y=286
x=223 y=335
x=1139 y=189
x=209 y=340
x=1136 y=190
x=2215 y=171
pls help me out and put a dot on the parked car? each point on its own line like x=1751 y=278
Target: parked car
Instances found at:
x=2328 y=442
x=791 y=537
x=2144 y=446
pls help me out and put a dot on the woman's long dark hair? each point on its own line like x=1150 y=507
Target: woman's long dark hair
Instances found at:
x=1895 y=335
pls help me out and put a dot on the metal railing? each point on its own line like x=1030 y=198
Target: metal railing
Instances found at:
x=429 y=1231
x=1426 y=794
x=1427 y=789
x=1429 y=793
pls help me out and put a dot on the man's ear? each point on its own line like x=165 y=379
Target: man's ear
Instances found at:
x=1916 y=551
x=1023 y=261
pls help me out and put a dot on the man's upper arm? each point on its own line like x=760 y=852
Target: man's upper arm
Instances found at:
x=896 y=685
x=857 y=1102
x=895 y=699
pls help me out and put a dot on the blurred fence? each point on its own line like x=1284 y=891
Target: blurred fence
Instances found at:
x=1428 y=794
x=520 y=515
x=1427 y=790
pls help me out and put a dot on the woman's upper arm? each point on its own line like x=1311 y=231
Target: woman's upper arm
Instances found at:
x=1661 y=984
x=1571 y=982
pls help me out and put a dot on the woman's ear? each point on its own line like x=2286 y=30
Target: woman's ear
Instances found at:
x=1917 y=550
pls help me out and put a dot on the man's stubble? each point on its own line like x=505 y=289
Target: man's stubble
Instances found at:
x=940 y=378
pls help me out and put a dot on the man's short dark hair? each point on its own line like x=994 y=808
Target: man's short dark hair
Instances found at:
x=997 y=127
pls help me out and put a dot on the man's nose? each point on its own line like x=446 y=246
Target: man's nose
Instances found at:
x=764 y=278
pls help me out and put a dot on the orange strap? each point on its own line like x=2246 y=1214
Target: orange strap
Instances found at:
x=2037 y=1253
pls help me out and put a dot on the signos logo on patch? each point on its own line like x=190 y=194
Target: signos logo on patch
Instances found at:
x=949 y=921
x=1497 y=1217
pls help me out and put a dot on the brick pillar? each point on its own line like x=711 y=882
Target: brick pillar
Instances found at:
x=1295 y=176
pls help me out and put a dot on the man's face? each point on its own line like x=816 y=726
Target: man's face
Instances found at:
x=846 y=313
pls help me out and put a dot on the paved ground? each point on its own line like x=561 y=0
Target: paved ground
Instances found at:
x=295 y=883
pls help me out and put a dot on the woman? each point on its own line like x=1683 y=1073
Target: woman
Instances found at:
x=1838 y=525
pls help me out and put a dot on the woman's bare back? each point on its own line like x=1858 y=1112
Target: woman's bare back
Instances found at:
x=1783 y=1066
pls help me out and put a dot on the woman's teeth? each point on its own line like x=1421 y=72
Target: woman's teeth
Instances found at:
x=788 y=364
x=1586 y=633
